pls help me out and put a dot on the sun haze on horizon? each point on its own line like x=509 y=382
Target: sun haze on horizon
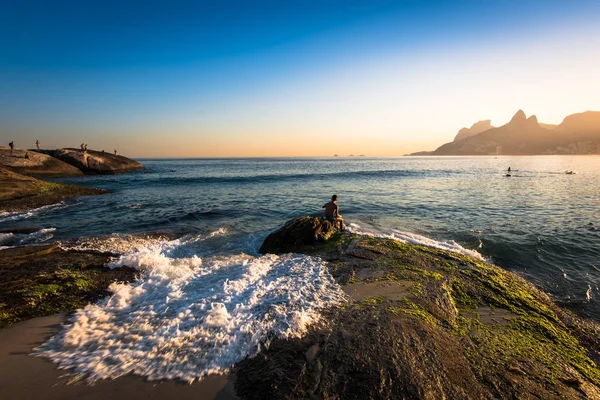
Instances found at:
x=195 y=79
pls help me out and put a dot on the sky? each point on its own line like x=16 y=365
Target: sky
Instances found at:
x=288 y=78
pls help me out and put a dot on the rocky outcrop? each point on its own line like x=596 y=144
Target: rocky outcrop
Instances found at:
x=475 y=129
x=20 y=193
x=297 y=234
x=37 y=164
x=45 y=280
x=93 y=162
x=423 y=323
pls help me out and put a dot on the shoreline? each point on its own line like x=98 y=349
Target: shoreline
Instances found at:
x=22 y=374
x=414 y=313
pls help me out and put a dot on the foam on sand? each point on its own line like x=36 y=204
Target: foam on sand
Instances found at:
x=413 y=238
x=191 y=316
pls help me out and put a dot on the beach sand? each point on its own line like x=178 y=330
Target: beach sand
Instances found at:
x=23 y=376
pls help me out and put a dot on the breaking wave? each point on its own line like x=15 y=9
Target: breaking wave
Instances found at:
x=187 y=317
x=14 y=216
x=13 y=239
x=413 y=238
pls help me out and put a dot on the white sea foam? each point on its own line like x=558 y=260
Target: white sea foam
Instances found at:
x=588 y=293
x=12 y=239
x=189 y=317
x=413 y=238
x=14 y=216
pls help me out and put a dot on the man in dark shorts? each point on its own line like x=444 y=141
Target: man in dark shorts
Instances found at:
x=332 y=213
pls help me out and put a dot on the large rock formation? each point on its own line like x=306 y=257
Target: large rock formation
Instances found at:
x=582 y=124
x=95 y=162
x=475 y=129
x=297 y=234
x=37 y=165
x=423 y=323
x=521 y=135
x=20 y=193
x=577 y=134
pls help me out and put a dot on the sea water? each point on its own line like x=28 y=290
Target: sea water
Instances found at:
x=206 y=298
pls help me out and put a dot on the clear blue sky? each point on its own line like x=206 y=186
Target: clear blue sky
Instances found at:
x=288 y=78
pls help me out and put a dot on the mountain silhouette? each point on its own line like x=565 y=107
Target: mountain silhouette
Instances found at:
x=577 y=134
x=476 y=128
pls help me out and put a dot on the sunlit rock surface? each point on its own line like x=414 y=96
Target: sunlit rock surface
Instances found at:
x=425 y=323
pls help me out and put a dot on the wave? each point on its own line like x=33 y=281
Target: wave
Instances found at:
x=14 y=239
x=189 y=317
x=413 y=238
x=300 y=177
x=14 y=216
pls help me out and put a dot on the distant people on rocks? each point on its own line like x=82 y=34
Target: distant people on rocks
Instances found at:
x=85 y=148
x=27 y=155
x=82 y=149
x=115 y=152
x=12 y=147
x=102 y=151
x=332 y=213
x=37 y=144
x=509 y=170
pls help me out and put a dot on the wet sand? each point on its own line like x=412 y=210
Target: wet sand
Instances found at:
x=23 y=376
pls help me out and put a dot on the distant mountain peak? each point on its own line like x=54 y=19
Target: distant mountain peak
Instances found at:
x=476 y=128
x=532 y=119
x=519 y=117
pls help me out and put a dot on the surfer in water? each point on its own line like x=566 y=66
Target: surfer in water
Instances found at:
x=332 y=213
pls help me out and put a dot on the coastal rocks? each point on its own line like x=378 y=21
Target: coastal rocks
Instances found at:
x=20 y=193
x=298 y=233
x=45 y=280
x=37 y=164
x=424 y=323
x=93 y=162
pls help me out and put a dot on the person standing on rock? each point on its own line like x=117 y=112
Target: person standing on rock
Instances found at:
x=37 y=144
x=115 y=152
x=12 y=146
x=332 y=213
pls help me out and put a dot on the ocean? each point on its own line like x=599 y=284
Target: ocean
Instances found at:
x=206 y=294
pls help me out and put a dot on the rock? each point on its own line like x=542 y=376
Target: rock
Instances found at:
x=20 y=193
x=45 y=280
x=431 y=338
x=37 y=165
x=298 y=233
x=94 y=162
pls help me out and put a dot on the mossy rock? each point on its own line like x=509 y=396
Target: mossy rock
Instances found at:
x=297 y=234
x=45 y=280
x=424 y=323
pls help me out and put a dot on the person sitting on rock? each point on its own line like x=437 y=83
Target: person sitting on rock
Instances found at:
x=332 y=213
x=27 y=155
